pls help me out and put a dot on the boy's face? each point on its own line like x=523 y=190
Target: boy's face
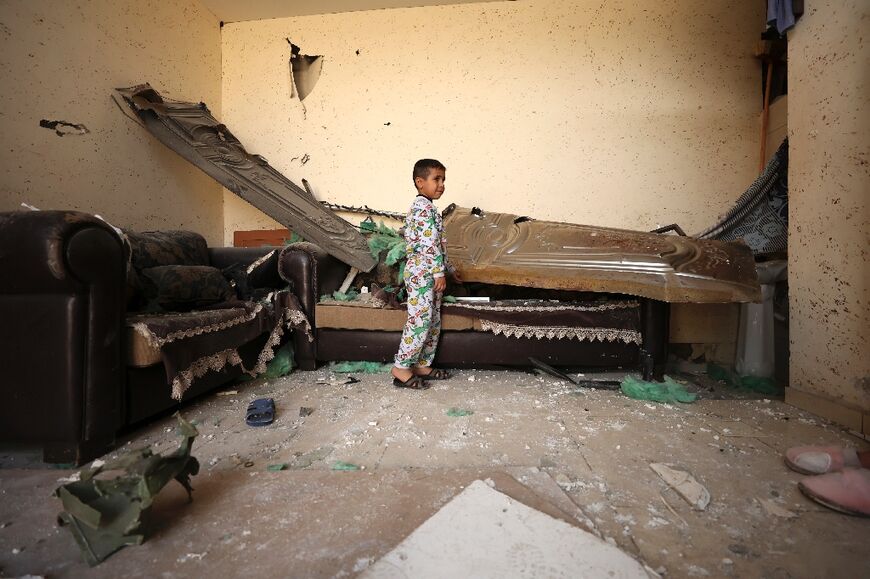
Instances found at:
x=433 y=185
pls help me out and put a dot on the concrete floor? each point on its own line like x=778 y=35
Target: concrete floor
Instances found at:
x=579 y=455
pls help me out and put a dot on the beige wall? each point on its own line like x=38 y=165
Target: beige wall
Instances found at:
x=614 y=113
x=61 y=61
x=829 y=213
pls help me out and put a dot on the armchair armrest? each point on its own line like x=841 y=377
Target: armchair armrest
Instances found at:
x=62 y=303
x=311 y=273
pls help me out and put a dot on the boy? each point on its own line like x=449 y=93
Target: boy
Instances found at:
x=424 y=280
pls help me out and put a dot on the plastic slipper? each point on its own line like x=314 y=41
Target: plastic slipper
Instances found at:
x=261 y=412
x=846 y=491
x=414 y=383
x=820 y=459
x=436 y=374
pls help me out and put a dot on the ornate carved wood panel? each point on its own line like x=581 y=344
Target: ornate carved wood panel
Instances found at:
x=191 y=131
x=504 y=249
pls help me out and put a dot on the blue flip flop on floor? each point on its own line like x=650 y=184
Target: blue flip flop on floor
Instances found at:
x=261 y=412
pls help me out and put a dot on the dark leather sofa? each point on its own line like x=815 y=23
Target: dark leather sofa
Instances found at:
x=63 y=304
x=314 y=273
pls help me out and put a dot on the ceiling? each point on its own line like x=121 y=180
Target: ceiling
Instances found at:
x=235 y=11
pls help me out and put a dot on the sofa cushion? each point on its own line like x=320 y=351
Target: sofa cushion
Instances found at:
x=140 y=352
x=182 y=288
x=356 y=316
x=147 y=333
x=605 y=321
x=156 y=248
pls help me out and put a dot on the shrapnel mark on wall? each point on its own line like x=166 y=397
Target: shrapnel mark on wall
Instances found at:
x=304 y=71
x=62 y=128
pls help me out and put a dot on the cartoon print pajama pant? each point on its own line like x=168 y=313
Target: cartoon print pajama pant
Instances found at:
x=420 y=336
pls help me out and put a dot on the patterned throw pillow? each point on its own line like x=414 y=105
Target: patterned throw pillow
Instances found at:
x=155 y=248
x=181 y=288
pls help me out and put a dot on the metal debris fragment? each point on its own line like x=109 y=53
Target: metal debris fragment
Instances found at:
x=107 y=514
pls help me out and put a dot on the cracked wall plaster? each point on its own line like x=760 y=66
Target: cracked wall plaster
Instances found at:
x=66 y=58
x=829 y=213
x=62 y=128
x=305 y=71
x=615 y=113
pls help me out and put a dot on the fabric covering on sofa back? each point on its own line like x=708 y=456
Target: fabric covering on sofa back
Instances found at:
x=170 y=271
x=156 y=248
x=181 y=288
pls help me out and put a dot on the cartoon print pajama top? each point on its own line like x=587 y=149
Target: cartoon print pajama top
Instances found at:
x=427 y=259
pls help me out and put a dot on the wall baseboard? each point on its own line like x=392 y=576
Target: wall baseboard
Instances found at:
x=851 y=417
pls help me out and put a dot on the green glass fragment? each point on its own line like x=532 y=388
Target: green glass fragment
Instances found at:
x=357 y=367
x=340 y=465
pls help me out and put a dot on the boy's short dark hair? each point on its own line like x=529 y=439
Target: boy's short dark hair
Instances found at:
x=423 y=166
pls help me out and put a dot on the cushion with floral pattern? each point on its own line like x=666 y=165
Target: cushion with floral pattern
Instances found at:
x=182 y=288
x=155 y=248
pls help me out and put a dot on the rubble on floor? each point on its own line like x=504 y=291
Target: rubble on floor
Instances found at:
x=578 y=454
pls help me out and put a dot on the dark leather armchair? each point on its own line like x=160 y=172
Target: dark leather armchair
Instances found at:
x=66 y=385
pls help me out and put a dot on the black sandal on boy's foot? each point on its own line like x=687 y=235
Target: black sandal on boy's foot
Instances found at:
x=414 y=383
x=436 y=374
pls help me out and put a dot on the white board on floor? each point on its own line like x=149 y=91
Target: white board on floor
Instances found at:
x=484 y=533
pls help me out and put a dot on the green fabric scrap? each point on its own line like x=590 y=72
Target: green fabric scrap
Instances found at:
x=667 y=391
x=107 y=514
x=360 y=367
x=338 y=296
x=721 y=374
x=341 y=465
x=455 y=412
x=733 y=379
x=282 y=363
x=760 y=385
x=277 y=467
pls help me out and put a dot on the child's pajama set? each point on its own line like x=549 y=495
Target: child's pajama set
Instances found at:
x=427 y=259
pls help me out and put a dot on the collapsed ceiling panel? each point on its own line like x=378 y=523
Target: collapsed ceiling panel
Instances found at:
x=500 y=248
x=191 y=131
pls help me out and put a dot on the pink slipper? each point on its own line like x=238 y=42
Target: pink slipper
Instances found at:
x=847 y=491
x=820 y=459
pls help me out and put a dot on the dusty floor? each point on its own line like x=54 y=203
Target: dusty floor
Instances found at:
x=578 y=454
